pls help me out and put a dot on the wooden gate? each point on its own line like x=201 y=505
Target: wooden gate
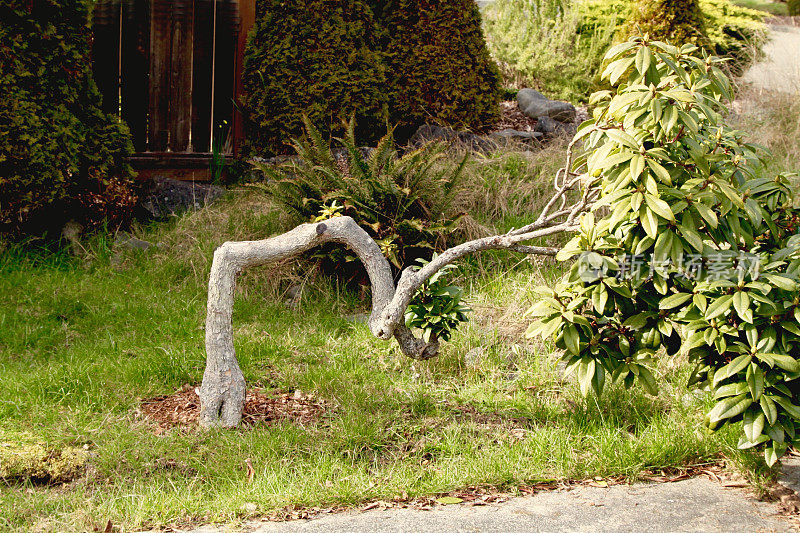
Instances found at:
x=169 y=68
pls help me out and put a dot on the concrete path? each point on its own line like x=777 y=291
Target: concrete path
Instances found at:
x=780 y=69
x=697 y=504
x=693 y=505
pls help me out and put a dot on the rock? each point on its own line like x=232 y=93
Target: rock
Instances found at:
x=430 y=132
x=474 y=357
x=546 y=125
x=133 y=243
x=71 y=232
x=534 y=104
x=510 y=134
x=168 y=197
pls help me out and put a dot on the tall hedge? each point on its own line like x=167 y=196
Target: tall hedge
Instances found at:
x=439 y=66
x=401 y=62
x=59 y=153
x=313 y=57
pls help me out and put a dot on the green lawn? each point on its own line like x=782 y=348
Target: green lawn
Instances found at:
x=83 y=340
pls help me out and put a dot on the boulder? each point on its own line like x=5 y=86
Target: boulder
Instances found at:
x=534 y=104
x=430 y=132
x=546 y=125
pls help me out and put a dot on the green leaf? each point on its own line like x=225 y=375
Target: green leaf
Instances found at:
x=769 y=409
x=789 y=407
x=729 y=408
x=741 y=302
x=572 y=339
x=643 y=58
x=755 y=381
x=637 y=166
x=586 y=372
x=674 y=300
x=753 y=424
x=708 y=215
x=660 y=171
x=647 y=380
x=719 y=306
x=449 y=500
x=659 y=207
x=732 y=368
x=649 y=222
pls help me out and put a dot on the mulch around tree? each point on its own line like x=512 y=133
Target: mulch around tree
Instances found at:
x=261 y=407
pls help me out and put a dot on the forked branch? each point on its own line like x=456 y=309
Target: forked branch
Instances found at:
x=222 y=393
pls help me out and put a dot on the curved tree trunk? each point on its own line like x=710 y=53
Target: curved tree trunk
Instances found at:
x=222 y=394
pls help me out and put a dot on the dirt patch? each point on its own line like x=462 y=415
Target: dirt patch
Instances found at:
x=261 y=407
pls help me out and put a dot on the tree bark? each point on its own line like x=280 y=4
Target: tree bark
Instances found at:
x=222 y=394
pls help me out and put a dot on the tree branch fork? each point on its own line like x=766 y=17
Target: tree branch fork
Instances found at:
x=222 y=394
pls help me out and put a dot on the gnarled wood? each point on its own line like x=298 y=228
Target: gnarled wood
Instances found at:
x=222 y=393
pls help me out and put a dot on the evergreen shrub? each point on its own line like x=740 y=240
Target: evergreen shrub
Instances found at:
x=317 y=58
x=61 y=157
x=383 y=61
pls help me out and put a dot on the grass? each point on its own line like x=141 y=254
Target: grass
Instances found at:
x=773 y=7
x=82 y=340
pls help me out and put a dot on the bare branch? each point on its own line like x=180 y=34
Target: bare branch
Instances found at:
x=222 y=393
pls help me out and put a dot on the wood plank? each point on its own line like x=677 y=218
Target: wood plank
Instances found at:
x=160 y=47
x=180 y=100
x=247 y=14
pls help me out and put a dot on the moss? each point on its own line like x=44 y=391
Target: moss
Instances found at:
x=29 y=460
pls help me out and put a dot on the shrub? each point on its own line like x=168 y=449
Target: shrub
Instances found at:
x=403 y=202
x=793 y=7
x=675 y=21
x=408 y=63
x=56 y=145
x=558 y=46
x=542 y=43
x=320 y=58
x=438 y=65
x=687 y=248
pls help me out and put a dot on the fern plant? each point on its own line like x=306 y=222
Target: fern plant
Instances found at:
x=405 y=202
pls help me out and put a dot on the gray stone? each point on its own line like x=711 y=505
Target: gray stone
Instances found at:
x=433 y=133
x=168 y=197
x=546 y=125
x=534 y=104
x=510 y=134
x=136 y=244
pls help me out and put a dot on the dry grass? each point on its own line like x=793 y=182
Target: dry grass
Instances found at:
x=771 y=119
